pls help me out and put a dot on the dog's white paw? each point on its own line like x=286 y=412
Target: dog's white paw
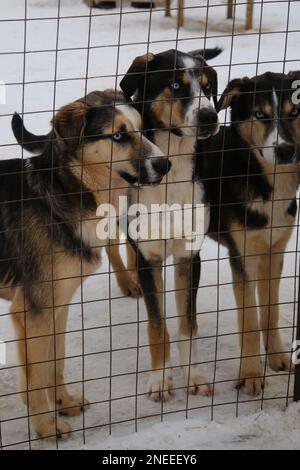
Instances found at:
x=128 y=284
x=280 y=362
x=251 y=376
x=72 y=405
x=160 y=386
x=48 y=426
x=197 y=385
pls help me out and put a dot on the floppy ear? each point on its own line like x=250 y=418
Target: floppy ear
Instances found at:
x=69 y=123
x=231 y=93
x=206 y=54
x=294 y=74
x=135 y=74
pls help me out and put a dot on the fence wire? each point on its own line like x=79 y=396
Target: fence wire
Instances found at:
x=56 y=52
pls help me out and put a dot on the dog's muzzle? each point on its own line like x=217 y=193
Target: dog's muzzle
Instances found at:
x=208 y=123
x=159 y=168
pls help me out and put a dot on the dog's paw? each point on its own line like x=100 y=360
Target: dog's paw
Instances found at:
x=72 y=405
x=251 y=377
x=280 y=362
x=198 y=386
x=48 y=426
x=129 y=285
x=160 y=386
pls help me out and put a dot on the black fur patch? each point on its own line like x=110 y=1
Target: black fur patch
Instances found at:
x=192 y=290
x=292 y=209
x=147 y=282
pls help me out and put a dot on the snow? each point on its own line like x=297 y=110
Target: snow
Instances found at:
x=111 y=332
x=270 y=430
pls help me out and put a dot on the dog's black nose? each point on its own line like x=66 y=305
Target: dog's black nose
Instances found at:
x=285 y=153
x=208 y=121
x=161 y=166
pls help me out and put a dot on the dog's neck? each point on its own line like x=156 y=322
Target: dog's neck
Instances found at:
x=100 y=181
x=180 y=151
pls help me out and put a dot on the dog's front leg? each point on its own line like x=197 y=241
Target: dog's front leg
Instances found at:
x=187 y=277
x=244 y=287
x=35 y=333
x=270 y=270
x=126 y=278
x=66 y=404
x=151 y=282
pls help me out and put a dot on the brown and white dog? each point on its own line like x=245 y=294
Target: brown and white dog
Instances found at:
x=48 y=234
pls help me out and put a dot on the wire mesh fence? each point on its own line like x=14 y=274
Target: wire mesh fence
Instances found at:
x=182 y=170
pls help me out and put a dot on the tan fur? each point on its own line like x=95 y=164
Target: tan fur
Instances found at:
x=262 y=256
x=227 y=98
x=148 y=57
x=253 y=132
x=126 y=277
x=170 y=112
x=287 y=107
x=159 y=340
x=7 y=293
x=204 y=80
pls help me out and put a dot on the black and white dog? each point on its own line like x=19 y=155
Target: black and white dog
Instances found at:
x=172 y=90
x=250 y=172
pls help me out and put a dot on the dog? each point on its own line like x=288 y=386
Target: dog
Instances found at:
x=172 y=91
x=250 y=173
x=48 y=234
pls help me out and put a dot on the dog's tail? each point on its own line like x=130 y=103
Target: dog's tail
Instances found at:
x=207 y=54
x=30 y=142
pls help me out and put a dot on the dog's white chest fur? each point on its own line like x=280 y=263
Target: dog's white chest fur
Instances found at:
x=177 y=186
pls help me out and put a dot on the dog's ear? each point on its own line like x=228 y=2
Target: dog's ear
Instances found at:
x=70 y=122
x=232 y=93
x=206 y=54
x=135 y=74
x=294 y=75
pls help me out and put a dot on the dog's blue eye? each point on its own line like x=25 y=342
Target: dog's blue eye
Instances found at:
x=295 y=112
x=260 y=115
x=117 y=137
x=175 y=86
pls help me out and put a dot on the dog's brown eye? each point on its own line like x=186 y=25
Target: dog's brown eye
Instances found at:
x=207 y=88
x=117 y=137
x=295 y=112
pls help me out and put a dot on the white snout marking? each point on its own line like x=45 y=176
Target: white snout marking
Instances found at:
x=274 y=138
x=149 y=160
x=152 y=175
x=198 y=99
x=131 y=114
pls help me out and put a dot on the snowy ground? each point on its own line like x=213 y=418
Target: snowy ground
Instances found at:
x=111 y=326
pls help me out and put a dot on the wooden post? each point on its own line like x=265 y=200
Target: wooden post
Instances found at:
x=180 y=17
x=168 y=8
x=249 y=20
x=229 y=8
